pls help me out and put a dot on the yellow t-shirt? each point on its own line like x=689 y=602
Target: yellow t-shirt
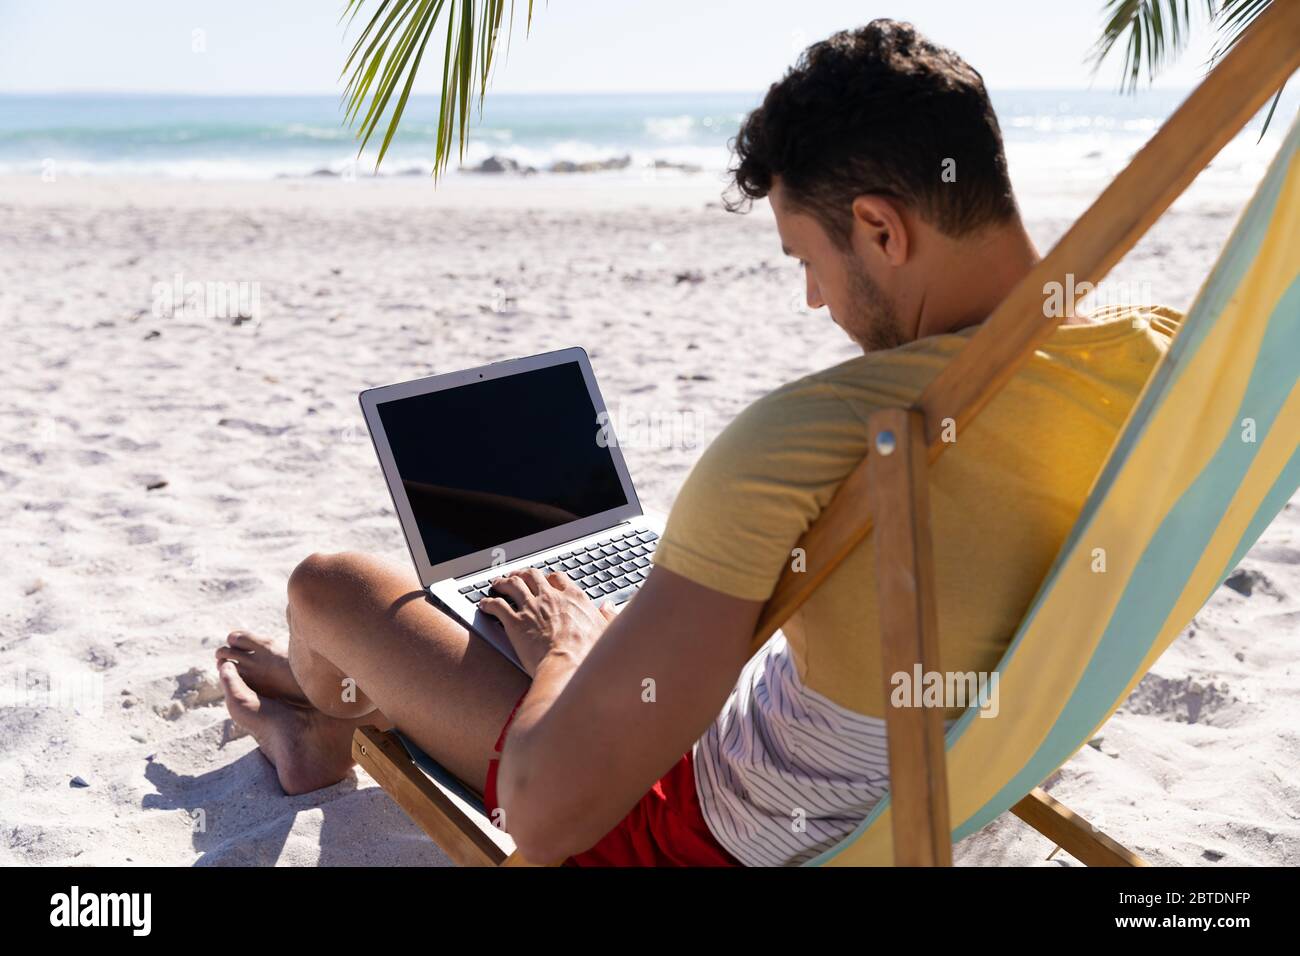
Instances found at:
x=1002 y=498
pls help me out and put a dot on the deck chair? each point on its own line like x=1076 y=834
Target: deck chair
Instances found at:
x=1209 y=455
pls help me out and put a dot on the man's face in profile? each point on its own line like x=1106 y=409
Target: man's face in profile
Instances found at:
x=836 y=277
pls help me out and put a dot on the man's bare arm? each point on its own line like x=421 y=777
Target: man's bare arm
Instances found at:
x=596 y=732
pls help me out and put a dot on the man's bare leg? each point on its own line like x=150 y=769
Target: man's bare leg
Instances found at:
x=308 y=749
x=366 y=647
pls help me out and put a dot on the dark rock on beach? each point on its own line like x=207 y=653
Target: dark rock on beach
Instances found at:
x=680 y=167
x=591 y=166
x=502 y=164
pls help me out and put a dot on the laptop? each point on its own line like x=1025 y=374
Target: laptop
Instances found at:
x=508 y=466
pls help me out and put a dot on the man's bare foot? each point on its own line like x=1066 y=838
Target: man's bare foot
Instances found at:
x=308 y=749
x=263 y=666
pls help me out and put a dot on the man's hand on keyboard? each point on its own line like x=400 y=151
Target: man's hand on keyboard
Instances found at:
x=545 y=615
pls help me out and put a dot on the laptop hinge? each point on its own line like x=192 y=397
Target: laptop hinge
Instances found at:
x=525 y=557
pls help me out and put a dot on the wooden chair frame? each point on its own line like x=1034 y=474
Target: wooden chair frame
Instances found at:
x=888 y=490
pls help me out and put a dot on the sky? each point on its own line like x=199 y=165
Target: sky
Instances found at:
x=282 y=47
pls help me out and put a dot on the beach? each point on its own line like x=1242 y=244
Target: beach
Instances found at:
x=179 y=427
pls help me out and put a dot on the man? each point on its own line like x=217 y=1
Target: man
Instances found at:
x=648 y=737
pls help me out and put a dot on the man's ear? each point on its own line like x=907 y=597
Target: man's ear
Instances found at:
x=880 y=229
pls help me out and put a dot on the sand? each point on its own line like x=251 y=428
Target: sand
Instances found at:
x=163 y=473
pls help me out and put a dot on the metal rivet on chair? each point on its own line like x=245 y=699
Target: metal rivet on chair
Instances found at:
x=885 y=442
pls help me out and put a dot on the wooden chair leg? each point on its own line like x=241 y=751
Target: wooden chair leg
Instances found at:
x=384 y=758
x=517 y=859
x=1072 y=833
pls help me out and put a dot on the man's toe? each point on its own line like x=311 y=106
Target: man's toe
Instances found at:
x=241 y=700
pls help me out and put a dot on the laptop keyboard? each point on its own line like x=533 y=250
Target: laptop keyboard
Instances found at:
x=611 y=565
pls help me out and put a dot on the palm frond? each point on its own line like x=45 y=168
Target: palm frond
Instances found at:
x=1158 y=30
x=387 y=55
x=1150 y=32
x=1231 y=20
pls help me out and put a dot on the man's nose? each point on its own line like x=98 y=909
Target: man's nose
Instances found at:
x=814 y=293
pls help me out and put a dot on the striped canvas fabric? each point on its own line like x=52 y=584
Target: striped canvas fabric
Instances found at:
x=1210 y=455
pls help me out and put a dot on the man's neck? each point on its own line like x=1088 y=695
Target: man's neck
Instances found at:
x=979 y=273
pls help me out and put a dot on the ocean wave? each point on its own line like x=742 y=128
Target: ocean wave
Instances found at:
x=1073 y=122
x=638 y=163
x=669 y=128
x=1075 y=138
x=294 y=130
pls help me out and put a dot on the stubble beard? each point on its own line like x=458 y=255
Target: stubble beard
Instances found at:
x=874 y=325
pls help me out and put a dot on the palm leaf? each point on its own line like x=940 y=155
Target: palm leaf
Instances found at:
x=1232 y=19
x=386 y=58
x=1153 y=32
x=1150 y=32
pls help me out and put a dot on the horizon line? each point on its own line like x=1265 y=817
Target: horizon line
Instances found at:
x=538 y=93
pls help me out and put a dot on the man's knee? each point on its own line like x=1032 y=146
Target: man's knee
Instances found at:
x=320 y=580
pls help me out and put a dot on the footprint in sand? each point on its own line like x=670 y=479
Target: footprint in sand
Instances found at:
x=1180 y=700
x=230 y=587
x=1277 y=554
x=92 y=457
x=141 y=534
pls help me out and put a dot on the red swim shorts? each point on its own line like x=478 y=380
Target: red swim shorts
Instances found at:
x=665 y=828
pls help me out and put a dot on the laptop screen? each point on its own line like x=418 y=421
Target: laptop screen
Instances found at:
x=494 y=461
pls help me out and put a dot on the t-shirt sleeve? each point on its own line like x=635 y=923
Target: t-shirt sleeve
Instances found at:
x=1165 y=320
x=759 y=486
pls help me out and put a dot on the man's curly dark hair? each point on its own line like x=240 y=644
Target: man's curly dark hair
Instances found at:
x=877 y=110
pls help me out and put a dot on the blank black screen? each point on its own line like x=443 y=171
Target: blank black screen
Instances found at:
x=490 y=462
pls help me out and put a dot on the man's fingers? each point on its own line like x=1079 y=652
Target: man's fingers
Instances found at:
x=498 y=608
x=559 y=580
x=533 y=579
x=513 y=588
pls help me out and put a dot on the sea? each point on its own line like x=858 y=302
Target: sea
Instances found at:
x=1051 y=135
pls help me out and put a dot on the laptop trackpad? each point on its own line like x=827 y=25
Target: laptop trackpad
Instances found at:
x=490 y=629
